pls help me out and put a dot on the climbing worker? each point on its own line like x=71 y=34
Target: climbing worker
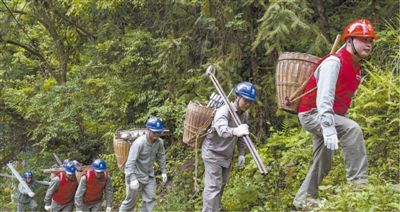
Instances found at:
x=323 y=111
x=95 y=182
x=139 y=170
x=61 y=192
x=219 y=145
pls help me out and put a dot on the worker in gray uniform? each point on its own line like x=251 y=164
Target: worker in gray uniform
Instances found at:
x=61 y=192
x=92 y=185
x=323 y=111
x=22 y=195
x=139 y=170
x=219 y=145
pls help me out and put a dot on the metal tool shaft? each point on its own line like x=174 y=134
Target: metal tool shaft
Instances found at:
x=246 y=138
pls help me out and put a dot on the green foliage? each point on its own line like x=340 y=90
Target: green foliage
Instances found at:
x=73 y=72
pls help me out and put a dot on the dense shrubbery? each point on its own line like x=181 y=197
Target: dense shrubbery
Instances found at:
x=97 y=66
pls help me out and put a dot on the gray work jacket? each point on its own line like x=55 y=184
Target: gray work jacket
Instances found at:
x=21 y=194
x=142 y=154
x=54 y=183
x=219 y=144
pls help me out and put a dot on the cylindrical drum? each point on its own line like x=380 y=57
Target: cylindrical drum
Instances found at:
x=122 y=145
x=197 y=120
x=292 y=74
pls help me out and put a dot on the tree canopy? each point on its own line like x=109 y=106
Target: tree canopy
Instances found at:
x=72 y=72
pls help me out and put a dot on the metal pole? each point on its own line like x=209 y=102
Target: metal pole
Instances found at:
x=260 y=165
x=19 y=178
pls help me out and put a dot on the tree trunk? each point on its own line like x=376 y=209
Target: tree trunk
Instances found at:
x=324 y=19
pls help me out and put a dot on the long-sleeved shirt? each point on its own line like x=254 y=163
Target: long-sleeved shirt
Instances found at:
x=81 y=190
x=219 y=144
x=22 y=194
x=326 y=75
x=54 y=183
x=142 y=154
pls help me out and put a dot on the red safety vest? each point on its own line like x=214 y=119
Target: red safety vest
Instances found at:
x=347 y=83
x=66 y=190
x=94 y=187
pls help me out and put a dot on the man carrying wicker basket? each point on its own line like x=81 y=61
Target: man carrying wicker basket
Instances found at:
x=322 y=113
x=139 y=170
x=219 y=145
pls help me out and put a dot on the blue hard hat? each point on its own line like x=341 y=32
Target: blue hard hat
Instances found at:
x=70 y=168
x=155 y=124
x=99 y=165
x=246 y=90
x=28 y=175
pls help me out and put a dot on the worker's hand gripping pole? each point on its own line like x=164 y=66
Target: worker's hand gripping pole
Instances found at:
x=260 y=165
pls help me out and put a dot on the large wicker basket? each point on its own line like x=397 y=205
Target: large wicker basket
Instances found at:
x=122 y=146
x=293 y=71
x=197 y=120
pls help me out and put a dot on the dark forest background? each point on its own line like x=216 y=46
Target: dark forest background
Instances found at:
x=72 y=72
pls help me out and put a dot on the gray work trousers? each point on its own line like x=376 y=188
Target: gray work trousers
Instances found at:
x=354 y=153
x=92 y=207
x=55 y=206
x=215 y=179
x=32 y=205
x=148 y=196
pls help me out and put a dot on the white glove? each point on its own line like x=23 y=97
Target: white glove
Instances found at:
x=164 y=178
x=134 y=185
x=331 y=142
x=108 y=209
x=241 y=160
x=31 y=194
x=241 y=130
x=47 y=207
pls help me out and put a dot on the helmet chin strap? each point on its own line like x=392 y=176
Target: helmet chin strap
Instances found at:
x=237 y=104
x=354 y=49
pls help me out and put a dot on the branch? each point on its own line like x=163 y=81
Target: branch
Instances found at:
x=79 y=29
x=34 y=52
x=14 y=11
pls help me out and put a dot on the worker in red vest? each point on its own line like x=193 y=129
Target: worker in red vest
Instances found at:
x=323 y=111
x=95 y=182
x=61 y=192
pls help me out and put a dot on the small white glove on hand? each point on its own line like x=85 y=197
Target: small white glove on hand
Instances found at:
x=108 y=209
x=134 y=185
x=331 y=142
x=164 y=178
x=31 y=194
x=241 y=160
x=241 y=130
x=47 y=207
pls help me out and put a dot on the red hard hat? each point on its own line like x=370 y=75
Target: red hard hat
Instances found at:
x=359 y=28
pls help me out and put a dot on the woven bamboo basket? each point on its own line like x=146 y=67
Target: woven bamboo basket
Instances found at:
x=122 y=146
x=197 y=120
x=293 y=71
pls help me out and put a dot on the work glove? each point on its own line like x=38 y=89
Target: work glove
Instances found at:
x=241 y=160
x=134 y=184
x=30 y=194
x=331 y=141
x=164 y=178
x=108 y=209
x=241 y=130
x=47 y=207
